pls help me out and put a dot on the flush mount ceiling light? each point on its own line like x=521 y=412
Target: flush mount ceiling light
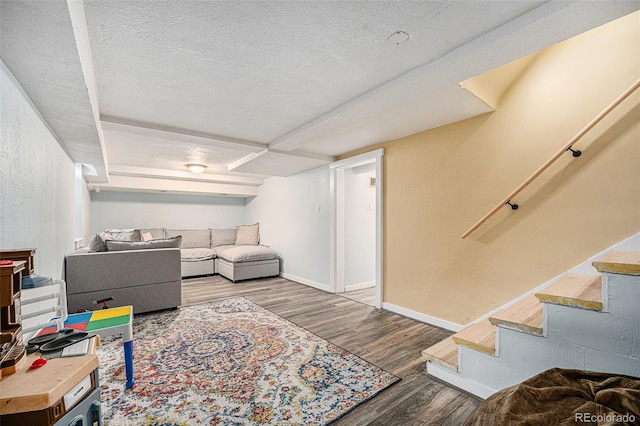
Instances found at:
x=196 y=168
x=398 y=37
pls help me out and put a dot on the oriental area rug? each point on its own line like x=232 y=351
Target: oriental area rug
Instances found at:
x=231 y=363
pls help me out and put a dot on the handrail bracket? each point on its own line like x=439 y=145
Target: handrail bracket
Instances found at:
x=575 y=152
x=513 y=206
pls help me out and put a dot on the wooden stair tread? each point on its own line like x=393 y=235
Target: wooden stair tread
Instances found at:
x=480 y=336
x=576 y=290
x=619 y=262
x=444 y=353
x=525 y=316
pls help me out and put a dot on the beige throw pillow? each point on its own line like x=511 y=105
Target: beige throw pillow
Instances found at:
x=146 y=236
x=248 y=234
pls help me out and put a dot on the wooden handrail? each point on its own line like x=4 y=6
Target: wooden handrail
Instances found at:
x=555 y=156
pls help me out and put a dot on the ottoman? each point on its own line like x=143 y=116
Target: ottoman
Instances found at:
x=246 y=262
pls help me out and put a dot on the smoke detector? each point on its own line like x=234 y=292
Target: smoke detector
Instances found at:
x=398 y=37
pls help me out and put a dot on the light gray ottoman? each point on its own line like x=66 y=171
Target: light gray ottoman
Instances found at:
x=247 y=262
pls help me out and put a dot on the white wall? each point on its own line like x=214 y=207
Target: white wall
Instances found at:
x=36 y=182
x=86 y=214
x=148 y=210
x=82 y=206
x=294 y=219
x=286 y=208
x=359 y=228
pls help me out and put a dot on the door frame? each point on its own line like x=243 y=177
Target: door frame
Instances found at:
x=336 y=224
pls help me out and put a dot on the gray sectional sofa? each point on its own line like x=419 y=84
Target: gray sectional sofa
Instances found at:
x=147 y=279
x=233 y=253
x=144 y=267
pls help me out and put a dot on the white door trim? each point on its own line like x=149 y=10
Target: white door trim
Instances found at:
x=336 y=224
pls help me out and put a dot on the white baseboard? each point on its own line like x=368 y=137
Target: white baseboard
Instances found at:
x=359 y=286
x=323 y=287
x=447 y=325
x=457 y=380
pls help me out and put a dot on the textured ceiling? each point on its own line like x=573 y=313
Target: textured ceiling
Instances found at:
x=202 y=65
x=261 y=88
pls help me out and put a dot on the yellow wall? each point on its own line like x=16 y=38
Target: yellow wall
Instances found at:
x=440 y=182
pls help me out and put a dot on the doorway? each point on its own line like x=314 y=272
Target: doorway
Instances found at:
x=356 y=227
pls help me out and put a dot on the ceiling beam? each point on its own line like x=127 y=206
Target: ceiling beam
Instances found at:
x=173 y=186
x=246 y=159
x=118 y=170
x=149 y=130
x=274 y=163
x=81 y=34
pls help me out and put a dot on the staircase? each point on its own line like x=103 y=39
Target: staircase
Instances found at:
x=582 y=321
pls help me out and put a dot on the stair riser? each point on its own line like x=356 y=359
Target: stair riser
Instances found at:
x=523 y=356
x=622 y=295
x=459 y=381
x=602 y=331
x=492 y=371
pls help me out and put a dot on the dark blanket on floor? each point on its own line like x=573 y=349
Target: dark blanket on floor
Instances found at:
x=563 y=397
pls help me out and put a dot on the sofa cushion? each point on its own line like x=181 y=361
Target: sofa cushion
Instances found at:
x=247 y=253
x=192 y=238
x=220 y=249
x=125 y=234
x=156 y=233
x=114 y=245
x=248 y=234
x=223 y=237
x=196 y=254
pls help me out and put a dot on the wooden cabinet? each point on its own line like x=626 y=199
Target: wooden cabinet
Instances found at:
x=26 y=254
x=12 y=349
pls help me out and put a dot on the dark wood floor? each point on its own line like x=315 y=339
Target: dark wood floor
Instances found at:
x=390 y=341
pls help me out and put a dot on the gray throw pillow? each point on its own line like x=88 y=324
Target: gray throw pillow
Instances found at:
x=174 y=242
x=94 y=244
x=125 y=234
x=98 y=242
